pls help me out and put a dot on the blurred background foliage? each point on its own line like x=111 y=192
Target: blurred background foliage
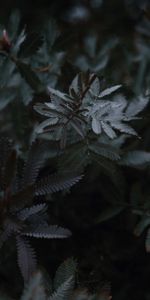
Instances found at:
x=111 y=39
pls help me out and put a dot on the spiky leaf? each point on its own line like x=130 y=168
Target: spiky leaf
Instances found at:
x=35 y=161
x=28 y=212
x=64 y=290
x=48 y=232
x=109 y=91
x=26 y=258
x=55 y=183
x=64 y=272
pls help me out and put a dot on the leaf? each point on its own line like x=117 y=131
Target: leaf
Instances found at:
x=137 y=105
x=55 y=183
x=136 y=158
x=35 y=161
x=43 y=110
x=28 y=212
x=35 y=288
x=20 y=39
x=49 y=232
x=57 y=93
x=55 y=110
x=64 y=272
x=76 y=85
x=26 y=258
x=9 y=228
x=108 y=130
x=105 y=150
x=96 y=126
x=110 y=169
x=29 y=75
x=109 y=91
x=74 y=158
x=64 y=290
x=95 y=86
x=76 y=124
x=123 y=128
x=79 y=84
x=47 y=123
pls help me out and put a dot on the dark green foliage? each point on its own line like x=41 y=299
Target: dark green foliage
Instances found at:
x=20 y=215
x=74 y=150
x=63 y=284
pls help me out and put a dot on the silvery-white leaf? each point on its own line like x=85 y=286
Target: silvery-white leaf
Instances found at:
x=100 y=108
x=30 y=211
x=57 y=93
x=108 y=130
x=108 y=91
x=50 y=105
x=21 y=38
x=96 y=126
x=123 y=128
x=119 y=101
x=95 y=86
x=43 y=110
x=49 y=122
x=74 y=84
x=48 y=232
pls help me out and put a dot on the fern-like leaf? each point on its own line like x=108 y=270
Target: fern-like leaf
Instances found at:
x=105 y=150
x=64 y=272
x=26 y=258
x=48 y=232
x=28 y=212
x=35 y=161
x=9 y=228
x=56 y=183
x=64 y=291
x=110 y=169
